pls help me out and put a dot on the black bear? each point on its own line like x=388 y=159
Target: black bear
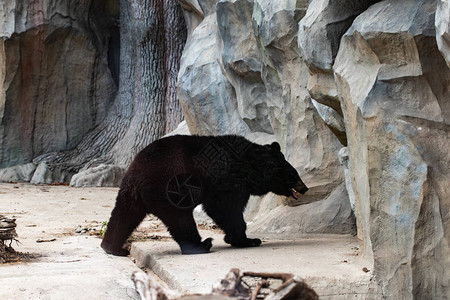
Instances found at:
x=173 y=175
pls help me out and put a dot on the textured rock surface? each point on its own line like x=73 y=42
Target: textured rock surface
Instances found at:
x=45 y=174
x=321 y=29
x=102 y=175
x=378 y=76
x=56 y=84
x=241 y=61
x=313 y=75
x=443 y=28
x=200 y=78
x=332 y=215
x=60 y=63
x=320 y=32
x=397 y=119
x=18 y=173
x=250 y=68
x=344 y=160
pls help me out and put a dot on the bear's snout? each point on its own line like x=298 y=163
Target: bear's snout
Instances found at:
x=300 y=187
x=303 y=190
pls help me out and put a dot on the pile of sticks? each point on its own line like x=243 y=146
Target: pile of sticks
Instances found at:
x=235 y=285
x=260 y=286
x=7 y=229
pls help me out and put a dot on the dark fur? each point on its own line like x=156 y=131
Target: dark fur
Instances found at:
x=222 y=171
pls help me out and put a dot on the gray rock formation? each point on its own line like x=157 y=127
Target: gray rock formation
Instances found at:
x=242 y=63
x=200 y=77
x=344 y=160
x=59 y=73
x=443 y=28
x=248 y=78
x=18 y=173
x=378 y=78
x=397 y=118
x=315 y=76
x=332 y=215
x=44 y=174
x=102 y=175
x=55 y=81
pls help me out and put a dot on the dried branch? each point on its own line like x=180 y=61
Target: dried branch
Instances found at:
x=262 y=284
x=292 y=288
x=150 y=289
x=231 y=285
x=282 y=276
x=7 y=228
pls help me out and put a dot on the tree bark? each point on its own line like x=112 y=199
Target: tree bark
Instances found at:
x=152 y=37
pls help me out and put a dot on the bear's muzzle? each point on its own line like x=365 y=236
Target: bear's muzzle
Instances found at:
x=300 y=188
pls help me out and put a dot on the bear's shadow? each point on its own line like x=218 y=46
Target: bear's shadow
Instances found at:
x=272 y=243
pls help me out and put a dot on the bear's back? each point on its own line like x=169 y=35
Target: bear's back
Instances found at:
x=213 y=160
x=209 y=147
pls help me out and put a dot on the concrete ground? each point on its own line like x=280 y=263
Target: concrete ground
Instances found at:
x=328 y=263
x=71 y=265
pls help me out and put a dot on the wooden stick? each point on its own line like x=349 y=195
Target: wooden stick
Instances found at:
x=282 y=276
x=262 y=284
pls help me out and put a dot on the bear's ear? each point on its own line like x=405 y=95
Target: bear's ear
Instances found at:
x=275 y=146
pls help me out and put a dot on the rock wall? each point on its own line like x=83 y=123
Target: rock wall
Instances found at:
x=366 y=82
x=356 y=92
x=241 y=73
x=58 y=74
x=397 y=121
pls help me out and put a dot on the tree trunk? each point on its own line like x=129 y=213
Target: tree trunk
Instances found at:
x=175 y=37
x=151 y=50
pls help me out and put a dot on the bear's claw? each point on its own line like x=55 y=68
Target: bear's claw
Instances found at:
x=114 y=250
x=203 y=247
x=242 y=243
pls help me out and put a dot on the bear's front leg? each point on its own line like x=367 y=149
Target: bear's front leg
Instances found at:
x=187 y=247
x=235 y=233
x=231 y=220
x=241 y=242
x=182 y=227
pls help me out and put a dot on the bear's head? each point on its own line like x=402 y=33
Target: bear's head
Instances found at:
x=279 y=176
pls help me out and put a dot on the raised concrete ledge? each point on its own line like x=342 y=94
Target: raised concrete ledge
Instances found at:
x=328 y=263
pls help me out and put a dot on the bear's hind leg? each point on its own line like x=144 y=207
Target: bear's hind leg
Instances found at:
x=124 y=219
x=182 y=227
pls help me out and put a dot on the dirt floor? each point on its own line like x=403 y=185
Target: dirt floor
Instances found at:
x=57 y=249
x=57 y=253
x=49 y=212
